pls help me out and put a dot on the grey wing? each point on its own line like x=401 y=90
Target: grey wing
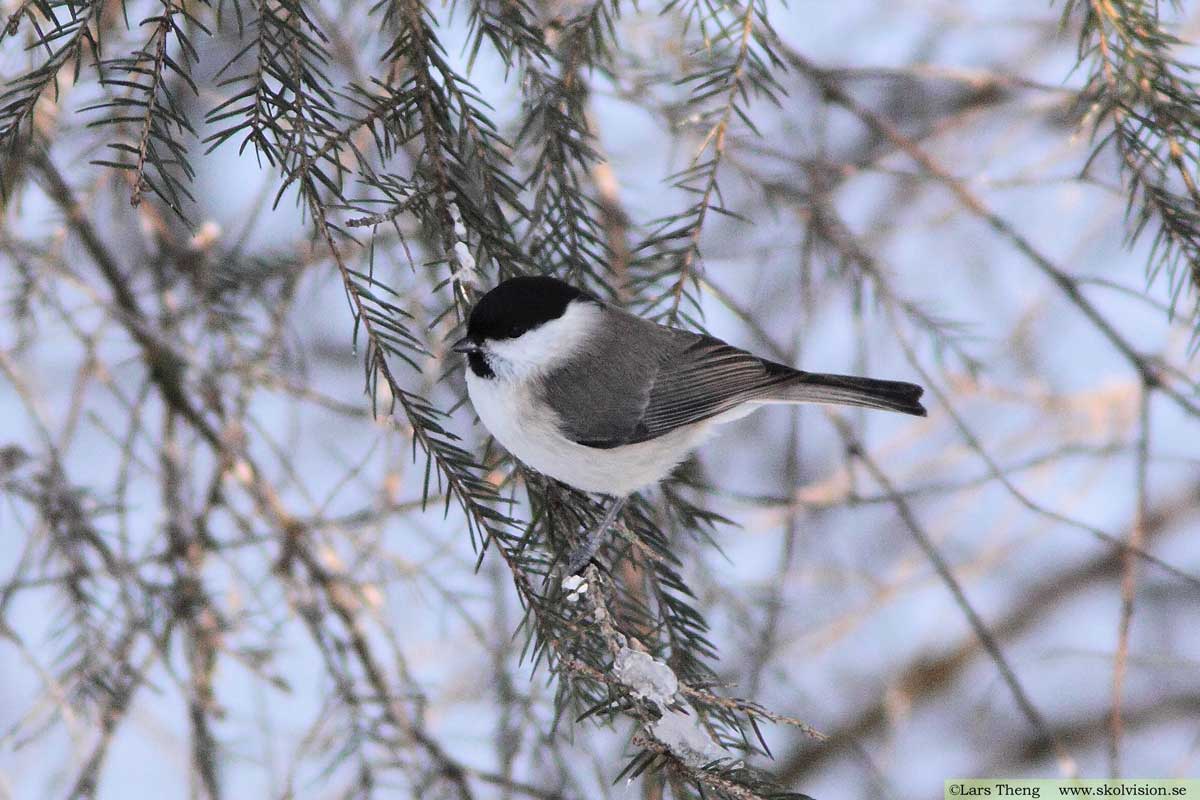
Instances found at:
x=600 y=396
x=704 y=378
x=638 y=380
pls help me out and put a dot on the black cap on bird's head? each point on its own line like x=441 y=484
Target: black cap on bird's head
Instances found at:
x=515 y=306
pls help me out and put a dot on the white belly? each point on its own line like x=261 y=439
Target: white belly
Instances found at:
x=503 y=407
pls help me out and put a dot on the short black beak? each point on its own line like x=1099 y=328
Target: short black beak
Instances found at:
x=465 y=345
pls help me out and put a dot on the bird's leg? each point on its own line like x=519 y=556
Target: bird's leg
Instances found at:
x=587 y=548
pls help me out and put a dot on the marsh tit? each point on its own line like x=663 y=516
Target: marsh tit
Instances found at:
x=607 y=402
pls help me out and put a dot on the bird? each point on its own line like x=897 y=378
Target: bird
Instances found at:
x=608 y=402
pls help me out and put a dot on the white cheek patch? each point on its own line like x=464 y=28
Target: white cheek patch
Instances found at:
x=546 y=346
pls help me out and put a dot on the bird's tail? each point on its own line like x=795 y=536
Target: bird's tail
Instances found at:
x=815 y=387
